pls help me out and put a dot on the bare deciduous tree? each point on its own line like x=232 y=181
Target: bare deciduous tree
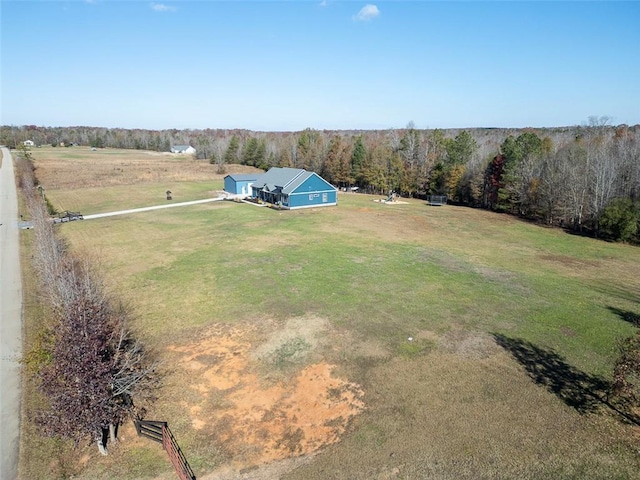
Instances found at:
x=94 y=368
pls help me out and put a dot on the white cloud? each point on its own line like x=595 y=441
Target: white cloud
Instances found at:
x=367 y=13
x=161 y=7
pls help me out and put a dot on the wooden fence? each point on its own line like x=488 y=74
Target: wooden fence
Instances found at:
x=159 y=432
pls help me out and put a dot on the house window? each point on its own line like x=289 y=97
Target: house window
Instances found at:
x=311 y=196
x=324 y=198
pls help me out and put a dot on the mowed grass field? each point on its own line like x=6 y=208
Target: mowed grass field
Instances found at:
x=475 y=343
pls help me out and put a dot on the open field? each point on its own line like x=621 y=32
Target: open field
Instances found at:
x=110 y=178
x=359 y=341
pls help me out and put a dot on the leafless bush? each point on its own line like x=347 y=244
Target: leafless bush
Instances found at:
x=95 y=368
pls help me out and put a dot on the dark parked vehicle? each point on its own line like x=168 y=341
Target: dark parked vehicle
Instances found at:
x=67 y=216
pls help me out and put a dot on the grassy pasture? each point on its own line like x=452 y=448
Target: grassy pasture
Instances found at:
x=98 y=181
x=512 y=325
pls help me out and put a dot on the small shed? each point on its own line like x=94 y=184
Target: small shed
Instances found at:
x=293 y=188
x=183 y=149
x=240 y=184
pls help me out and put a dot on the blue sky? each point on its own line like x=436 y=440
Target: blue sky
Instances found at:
x=289 y=65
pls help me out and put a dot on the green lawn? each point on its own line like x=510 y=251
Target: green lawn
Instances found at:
x=449 y=403
x=227 y=262
x=107 y=199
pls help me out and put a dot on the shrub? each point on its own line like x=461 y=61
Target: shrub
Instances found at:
x=290 y=351
x=619 y=220
x=626 y=374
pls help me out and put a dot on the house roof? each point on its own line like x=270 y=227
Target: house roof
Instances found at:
x=296 y=182
x=285 y=180
x=244 y=177
x=279 y=178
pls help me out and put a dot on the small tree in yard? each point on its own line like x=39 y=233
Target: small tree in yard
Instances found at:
x=95 y=369
x=76 y=381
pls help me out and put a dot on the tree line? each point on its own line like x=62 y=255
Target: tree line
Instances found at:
x=87 y=365
x=585 y=178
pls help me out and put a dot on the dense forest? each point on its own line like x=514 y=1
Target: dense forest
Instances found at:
x=585 y=178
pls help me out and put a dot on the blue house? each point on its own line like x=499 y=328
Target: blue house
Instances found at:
x=240 y=184
x=292 y=188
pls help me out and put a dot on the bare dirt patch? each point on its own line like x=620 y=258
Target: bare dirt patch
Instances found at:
x=256 y=418
x=569 y=262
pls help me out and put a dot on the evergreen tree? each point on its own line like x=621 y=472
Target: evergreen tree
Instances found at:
x=620 y=220
x=310 y=150
x=249 y=152
x=375 y=174
x=231 y=155
x=97 y=142
x=437 y=180
x=358 y=157
x=285 y=159
x=521 y=172
x=460 y=149
x=260 y=156
x=332 y=168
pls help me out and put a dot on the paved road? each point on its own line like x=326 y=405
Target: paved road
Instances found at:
x=10 y=321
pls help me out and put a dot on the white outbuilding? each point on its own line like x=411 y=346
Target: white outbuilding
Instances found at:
x=183 y=149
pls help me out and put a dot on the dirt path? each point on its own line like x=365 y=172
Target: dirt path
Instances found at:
x=10 y=321
x=155 y=207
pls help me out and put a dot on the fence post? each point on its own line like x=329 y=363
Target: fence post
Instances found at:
x=159 y=432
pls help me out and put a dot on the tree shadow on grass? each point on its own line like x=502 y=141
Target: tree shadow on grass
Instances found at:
x=584 y=392
x=628 y=294
x=628 y=316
